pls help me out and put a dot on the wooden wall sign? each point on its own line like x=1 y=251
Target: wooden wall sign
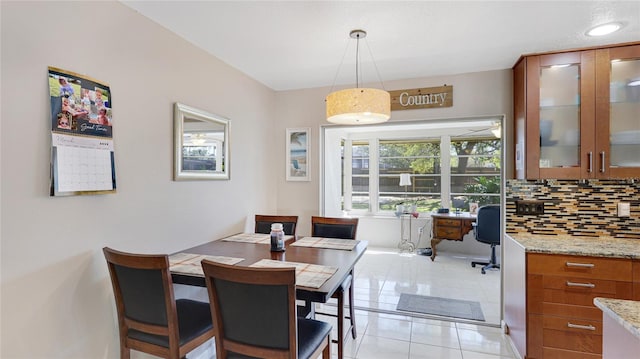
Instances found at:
x=428 y=97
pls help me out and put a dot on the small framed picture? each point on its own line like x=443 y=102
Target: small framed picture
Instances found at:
x=298 y=154
x=473 y=207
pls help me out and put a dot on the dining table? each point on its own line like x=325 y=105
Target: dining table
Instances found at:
x=328 y=260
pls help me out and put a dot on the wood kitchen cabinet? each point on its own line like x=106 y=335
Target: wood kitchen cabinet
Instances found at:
x=549 y=290
x=636 y=279
x=562 y=321
x=576 y=113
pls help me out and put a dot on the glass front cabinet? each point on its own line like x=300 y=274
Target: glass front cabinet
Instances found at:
x=577 y=114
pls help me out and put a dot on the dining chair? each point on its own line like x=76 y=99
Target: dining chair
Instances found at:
x=254 y=314
x=345 y=228
x=263 y=223
x=150 y=320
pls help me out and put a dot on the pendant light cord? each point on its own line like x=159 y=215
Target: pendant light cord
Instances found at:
x=335 y=78
x=375 y=66
x=357 y=58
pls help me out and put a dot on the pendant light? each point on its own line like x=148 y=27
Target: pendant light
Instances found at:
x=358 y=106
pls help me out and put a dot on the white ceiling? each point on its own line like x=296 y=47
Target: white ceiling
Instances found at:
x=290 y=45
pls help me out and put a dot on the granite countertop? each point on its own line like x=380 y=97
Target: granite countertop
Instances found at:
x=610 y=247
x=625 y=312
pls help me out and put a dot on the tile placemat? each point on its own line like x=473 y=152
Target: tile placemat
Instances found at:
x=329 y=243
x=188 y=263
x=260 y=238
x=307 y=275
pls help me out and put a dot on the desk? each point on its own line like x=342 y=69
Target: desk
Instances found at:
x=344 y=260
x=450 y=226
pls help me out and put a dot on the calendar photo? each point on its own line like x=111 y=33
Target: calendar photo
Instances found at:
x=82 y=151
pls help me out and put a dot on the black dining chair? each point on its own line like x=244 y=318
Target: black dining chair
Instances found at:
x=254 y=314
x=345 y=228
x=263 y=223
x=149 y=318
x=487 y=230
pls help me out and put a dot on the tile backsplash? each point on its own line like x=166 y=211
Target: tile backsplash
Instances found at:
x=586 y=208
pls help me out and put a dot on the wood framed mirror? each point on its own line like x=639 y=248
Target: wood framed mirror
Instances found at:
x=201 y=144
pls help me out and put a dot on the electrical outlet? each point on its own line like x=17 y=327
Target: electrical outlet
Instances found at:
x=529 y=207
x=624 y=209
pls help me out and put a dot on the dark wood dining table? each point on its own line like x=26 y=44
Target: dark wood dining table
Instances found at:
x=343 y=260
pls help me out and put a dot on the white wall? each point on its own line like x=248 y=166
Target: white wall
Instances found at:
x=475 y=94
x=56 y=299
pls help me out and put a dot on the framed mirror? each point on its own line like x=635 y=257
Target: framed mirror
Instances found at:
x=201 y=145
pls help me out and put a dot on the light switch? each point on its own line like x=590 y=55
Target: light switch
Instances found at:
x=624 y=209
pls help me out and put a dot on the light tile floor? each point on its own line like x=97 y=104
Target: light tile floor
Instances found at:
x=383 y=273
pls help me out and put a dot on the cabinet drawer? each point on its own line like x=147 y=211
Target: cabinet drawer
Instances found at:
x=448 y=232
x=585 y=297
x=580 y=266
x=555 y=353
x=582 y=285
x=572 y=311
x=636 y=279
x=573 y=325
x=448 y=222
x=576 y=341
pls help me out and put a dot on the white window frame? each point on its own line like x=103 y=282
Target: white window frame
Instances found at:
x=328 y=204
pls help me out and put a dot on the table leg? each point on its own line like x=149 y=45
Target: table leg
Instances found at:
x=434 y=243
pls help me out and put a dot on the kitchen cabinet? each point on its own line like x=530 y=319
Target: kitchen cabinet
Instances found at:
x=550 y=283
x=576 y=114
x=562 y=321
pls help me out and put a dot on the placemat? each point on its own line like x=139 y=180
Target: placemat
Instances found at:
x=328 y=243
x=188 y=263
x=260 y=238
x=307 y=275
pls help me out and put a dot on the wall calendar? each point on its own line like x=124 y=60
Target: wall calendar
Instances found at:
x=82 y=151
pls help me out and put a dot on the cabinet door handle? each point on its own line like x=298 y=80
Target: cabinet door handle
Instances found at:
x=602 y=161
x=590 y=156
x=581 y=265
x=578 y=326
x=584 y=285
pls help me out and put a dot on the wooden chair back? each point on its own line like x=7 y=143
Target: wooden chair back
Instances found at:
x=330 y=227
x=253 y=309
x=263 y=223
x=146 y=306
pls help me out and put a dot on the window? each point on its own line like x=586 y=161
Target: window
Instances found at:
x=421 y=160
x=447 y=162
x=359 y=176
x=475 y=171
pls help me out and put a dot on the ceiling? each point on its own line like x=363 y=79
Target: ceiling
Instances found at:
x=290 y=45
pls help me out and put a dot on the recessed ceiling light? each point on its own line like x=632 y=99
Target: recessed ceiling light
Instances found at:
x=604 y=29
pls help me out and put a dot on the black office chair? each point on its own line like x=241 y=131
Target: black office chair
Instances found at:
x=254 y=314
x=487 y=230
x=344 y=228
x=263 y=223
x=149 y=317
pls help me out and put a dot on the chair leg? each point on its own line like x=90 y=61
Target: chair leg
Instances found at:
x=341 y=325
x=326 y=352
x=492 y=263
x=125 y=353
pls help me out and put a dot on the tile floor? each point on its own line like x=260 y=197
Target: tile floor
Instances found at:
x=382 y=274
